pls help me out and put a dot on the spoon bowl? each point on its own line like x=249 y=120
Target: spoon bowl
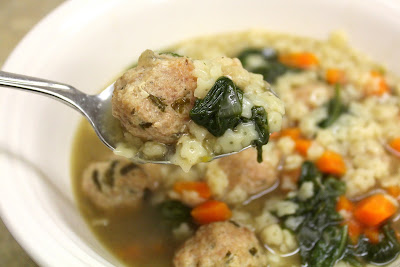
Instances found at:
x=96 y=108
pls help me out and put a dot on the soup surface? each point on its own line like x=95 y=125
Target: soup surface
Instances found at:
x=326 y=193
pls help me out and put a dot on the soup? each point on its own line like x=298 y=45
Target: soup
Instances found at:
x=326 y=193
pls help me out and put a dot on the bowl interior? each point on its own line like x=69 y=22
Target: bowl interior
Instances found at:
x=87 y=44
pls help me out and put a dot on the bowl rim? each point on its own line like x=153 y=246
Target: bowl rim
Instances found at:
x=13 y=63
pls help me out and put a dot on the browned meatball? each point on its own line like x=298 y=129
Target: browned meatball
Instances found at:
x=116 y=183
x=221 y=244
x=153 y=100
x=244 y=171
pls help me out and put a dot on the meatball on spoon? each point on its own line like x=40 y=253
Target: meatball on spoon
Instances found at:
x=174 y=109
x=96 y=108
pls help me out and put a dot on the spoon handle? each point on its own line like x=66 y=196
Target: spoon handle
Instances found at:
x=59 y=91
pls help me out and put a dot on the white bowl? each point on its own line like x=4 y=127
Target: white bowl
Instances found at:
x=86 y=44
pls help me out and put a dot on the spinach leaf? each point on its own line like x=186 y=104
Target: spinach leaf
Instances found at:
x=349 y=257
x=173 y=213
x=386 y=251
x=330 y=247
x=309 y=173
x=262 y=54
x=268 y=64
x=335 y=109
x=259 y=116
x=220 y=109
x=326 y=190
x=321 y=239
x=318 y=235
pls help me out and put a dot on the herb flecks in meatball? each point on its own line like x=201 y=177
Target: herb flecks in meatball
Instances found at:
x=221 y=244
x=153 y=100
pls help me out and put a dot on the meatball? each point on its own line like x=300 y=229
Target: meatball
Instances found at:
x=242 y=170
x=221 y=244
x=153 y=100
x=116 y=183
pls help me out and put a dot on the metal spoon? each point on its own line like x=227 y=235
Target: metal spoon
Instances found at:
x=96 y=108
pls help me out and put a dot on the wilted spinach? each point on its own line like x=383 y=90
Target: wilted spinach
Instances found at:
x=173 y=213
x=326 y=190
x=322 y=239
x=270 y=67
x=330 y=247
x=386 y=251
x=335 y=108
x=220 y=109
x=259 y=117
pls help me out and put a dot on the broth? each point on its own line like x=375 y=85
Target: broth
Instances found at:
x=123 y=228
x=132 y=231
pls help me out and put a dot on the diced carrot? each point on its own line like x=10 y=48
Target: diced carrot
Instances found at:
x=374 y=210
x=394 y=191
x=202 y=189
x=334 y=76
x=344 y=203
x=332 y=163
x=381 y=86
x=302 y=146
x=395 y=144
x=302 y=60
x=372 y=233
x=211 y=211
x=293 y=133
x=354 y=229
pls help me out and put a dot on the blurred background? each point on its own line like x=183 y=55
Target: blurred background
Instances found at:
x=17 y=17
